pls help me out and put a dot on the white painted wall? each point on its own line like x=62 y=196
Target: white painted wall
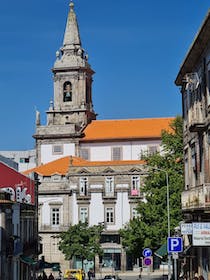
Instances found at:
x=130 y=150
x=45 y=208
x=47 y=155
x=96 y=209
x=122 y=209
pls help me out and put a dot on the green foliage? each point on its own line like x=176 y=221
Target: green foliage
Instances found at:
x=151 y=229
x=81 y=241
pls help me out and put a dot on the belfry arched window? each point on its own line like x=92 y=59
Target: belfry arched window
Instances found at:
x=67 y=92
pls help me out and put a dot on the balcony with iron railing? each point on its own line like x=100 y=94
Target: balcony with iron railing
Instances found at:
x=197 y=198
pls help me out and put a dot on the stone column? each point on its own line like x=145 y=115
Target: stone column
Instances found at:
x=97 y=269
x=123 y=260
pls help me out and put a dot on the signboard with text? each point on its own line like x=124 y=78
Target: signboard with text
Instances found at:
x=20 y=187
x=186 y=229
x=201 y=234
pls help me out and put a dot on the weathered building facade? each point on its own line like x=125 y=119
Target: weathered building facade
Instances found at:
x=194 y=80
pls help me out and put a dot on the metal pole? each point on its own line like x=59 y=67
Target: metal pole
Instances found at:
x=175 y=269
x=168 y=215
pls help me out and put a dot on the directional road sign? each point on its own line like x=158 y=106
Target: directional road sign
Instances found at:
x=147 y=252
x=175 y=244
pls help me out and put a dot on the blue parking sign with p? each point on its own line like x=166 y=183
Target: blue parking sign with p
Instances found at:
x=175 y=244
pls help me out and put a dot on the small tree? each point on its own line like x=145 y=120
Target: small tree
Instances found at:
x=81 y=241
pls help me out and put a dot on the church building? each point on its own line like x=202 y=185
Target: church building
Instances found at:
x=89 y=170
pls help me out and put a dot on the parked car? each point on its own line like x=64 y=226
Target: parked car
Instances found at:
x=111 y=277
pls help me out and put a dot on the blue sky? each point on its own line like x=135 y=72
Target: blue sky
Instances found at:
x=135 y=47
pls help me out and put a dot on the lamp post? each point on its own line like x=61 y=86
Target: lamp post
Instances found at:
x=168 y=216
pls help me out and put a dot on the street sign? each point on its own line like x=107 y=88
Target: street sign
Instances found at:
x=175 y=244
x=147 y=252
x=147 y=261
x=186 y=229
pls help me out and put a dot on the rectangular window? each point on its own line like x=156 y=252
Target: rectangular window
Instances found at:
x=109 y=215
x=85 y=153
x=134 y=213
x=152 y=150
x=116 y=153
x=83 y=186
x=135 y=185
x=186 y=169
x=109 y=186
x=194 y=173
x=193 y=158
x=57 y=149
x=55 y=216
x=24 y=160
x=83 y=214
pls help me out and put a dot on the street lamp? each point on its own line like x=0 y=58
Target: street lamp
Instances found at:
x=168 y=216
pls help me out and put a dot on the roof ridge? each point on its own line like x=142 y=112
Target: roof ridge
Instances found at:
x=135 y=119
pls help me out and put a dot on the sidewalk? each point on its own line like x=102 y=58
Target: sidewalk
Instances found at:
x=131 y=273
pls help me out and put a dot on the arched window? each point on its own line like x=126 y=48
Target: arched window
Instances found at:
x=67 y=92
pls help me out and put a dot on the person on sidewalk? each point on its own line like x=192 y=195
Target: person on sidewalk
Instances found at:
x=140 y=272
x=51 y=277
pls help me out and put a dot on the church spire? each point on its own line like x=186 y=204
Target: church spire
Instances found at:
x=71 y=36
x=71 y=54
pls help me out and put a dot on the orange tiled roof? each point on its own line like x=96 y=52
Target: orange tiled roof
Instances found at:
x=126 y=129
x=61 y=166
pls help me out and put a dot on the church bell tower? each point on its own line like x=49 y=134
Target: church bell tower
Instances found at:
x=72 y=108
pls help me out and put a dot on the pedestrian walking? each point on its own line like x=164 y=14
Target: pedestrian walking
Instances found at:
x=51 y=277
x=44 y=277
x=140 y=273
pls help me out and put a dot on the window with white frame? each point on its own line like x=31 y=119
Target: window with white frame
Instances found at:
x=55 y=216
x=134 y=213
x=135 y=185
x=57 y=149
x=83 y=214
x=152 y=149
x=83 y=188
x=116 y=153
x=109 y=215
x=109 y=185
